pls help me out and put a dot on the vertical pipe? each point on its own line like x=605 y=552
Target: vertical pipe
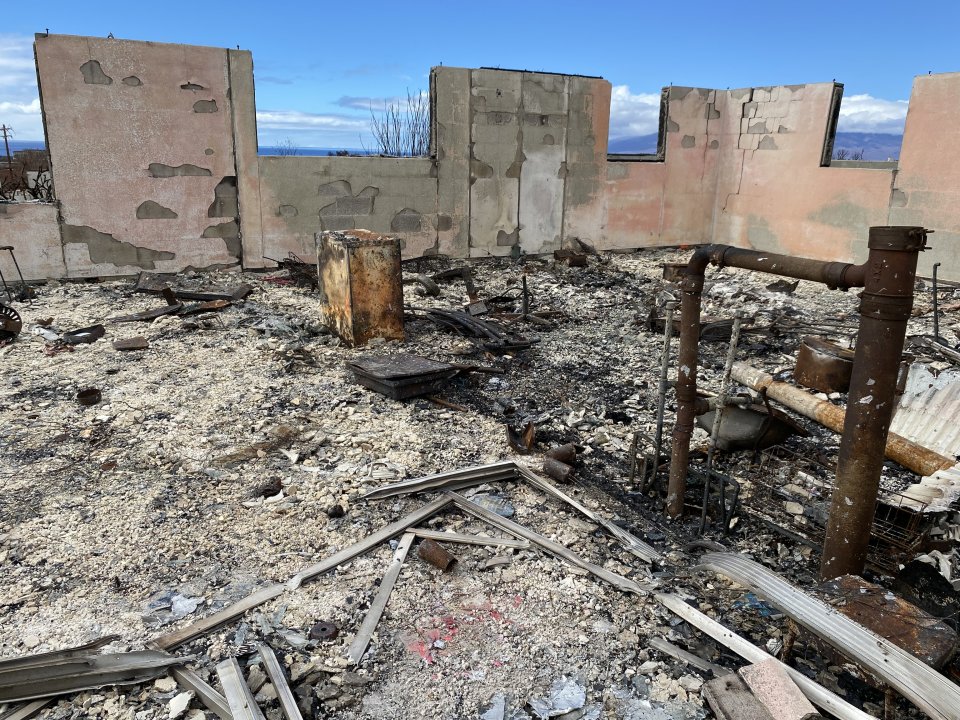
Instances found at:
x=662 y=388
x=936 y=305
x=885 y=306
x=687 y=360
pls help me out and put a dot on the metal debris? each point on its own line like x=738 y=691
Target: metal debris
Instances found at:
x=361 y=640
x=10 y=323
x=239 y=698
x=823 y=365
x=288 y=704
x=924 y=687
x=434 y=553
x=400 y=376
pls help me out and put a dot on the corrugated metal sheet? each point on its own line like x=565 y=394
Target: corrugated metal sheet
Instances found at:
x=922 y=685
x=934 y=493
x=929 y=410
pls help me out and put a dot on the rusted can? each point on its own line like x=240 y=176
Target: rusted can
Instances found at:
x=434 y=553
x=361 y=285
x=564 y=453
x=823 y=365
x=556 y=469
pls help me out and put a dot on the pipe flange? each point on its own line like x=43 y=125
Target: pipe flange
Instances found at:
x=885 y=307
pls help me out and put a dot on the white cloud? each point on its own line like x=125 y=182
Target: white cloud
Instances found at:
x=312 y=129
x=632 y=114
x=865 y=113
x=20 y=104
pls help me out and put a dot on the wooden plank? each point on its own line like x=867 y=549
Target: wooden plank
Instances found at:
x=201 y=627
x=373 y=539
x=288 y=704
x=27 y=710
x=556 y=549
x=362 y=639
x=238 y=694
x=730 y=699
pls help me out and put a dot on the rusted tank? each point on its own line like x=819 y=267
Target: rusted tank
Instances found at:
x=823 y=365
x=361 y=285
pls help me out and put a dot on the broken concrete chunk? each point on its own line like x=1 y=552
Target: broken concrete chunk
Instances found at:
x=772 y=686
x=179 y=704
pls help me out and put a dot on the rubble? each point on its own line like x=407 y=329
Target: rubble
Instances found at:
x=235 y=464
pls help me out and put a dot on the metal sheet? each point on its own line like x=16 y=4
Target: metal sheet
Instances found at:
x=928 y=409
x=922 y=685
x=816 y=693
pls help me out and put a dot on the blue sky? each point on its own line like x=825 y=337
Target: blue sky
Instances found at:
x=319 y=66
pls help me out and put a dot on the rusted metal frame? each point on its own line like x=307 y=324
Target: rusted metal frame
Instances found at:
x=288 y=703
x=930 y=691
x=912 y=456
x=361 y=640
x=662 y=390
x=885 y=306
x=816 y=693
x=556 y=549
x=450 y=480
x=717 y=417
x=373 y=539
x=212 y=700
x=239 y=698
x=94 y=672
x=482 y=540
x=205 y=625
x=27 y=710
x=936 y=306
x=630 y=542
x=836 y=275
x=668 y=648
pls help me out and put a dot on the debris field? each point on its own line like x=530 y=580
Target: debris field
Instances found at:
x=183 y=461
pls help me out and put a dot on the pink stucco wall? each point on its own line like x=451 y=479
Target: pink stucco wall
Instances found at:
x=32 y=230
x=114 y=107
x=154 y=156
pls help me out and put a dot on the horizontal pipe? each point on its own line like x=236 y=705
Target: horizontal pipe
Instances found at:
x=911 y=455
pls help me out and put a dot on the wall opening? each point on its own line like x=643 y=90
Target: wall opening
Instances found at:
x=651 y=147
x=849 y=144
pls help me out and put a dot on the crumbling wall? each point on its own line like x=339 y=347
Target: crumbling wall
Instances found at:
x=33 y=232
x=141 y=139
x=926 y=189
x=772 y=193
x=302 y=195
x=154 y=155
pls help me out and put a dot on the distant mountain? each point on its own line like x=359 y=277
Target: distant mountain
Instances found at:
x=876 y=146
x=634 y=144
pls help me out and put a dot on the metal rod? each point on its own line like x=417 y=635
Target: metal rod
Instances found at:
x=936 y=306
x=662 y=388
x=724 y=386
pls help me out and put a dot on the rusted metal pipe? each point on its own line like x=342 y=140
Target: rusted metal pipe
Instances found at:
x=435 y=554
x=912 y=456
x=662 y=390
x=832 y=274
x=885 y=306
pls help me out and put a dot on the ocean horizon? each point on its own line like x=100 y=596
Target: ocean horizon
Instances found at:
x=16 y=145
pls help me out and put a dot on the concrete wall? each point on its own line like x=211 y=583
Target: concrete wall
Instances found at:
x=141 y=143
x=927 y=186
x=300 y=195
x=155 y=166
x=33 y=231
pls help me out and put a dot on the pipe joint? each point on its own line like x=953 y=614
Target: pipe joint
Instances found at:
x=898 y=238
x=889 y=308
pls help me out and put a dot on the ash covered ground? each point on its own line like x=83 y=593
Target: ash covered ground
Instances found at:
x=234 y=451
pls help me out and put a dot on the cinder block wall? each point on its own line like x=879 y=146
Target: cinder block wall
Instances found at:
x=155 y=166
